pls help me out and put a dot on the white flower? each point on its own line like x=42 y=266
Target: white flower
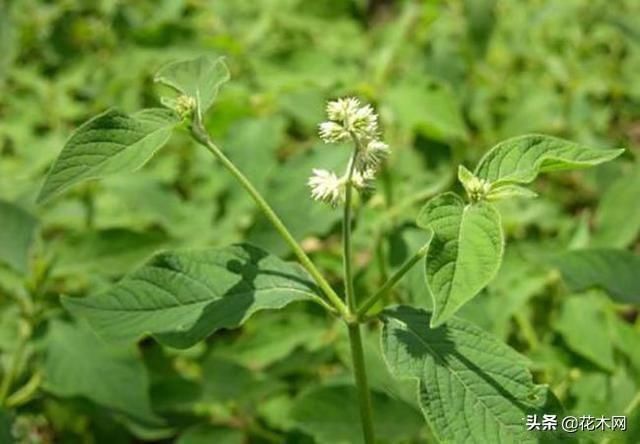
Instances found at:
x=338 y=110
x=325 y=186
x=362 y=180
x=332 y=132
x=371 y=155
x=363 y=123
x=346 y=118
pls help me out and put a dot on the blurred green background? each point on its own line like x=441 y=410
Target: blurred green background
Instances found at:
x=449 y=79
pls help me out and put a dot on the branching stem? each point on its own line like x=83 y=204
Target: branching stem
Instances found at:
x=200 y=134
x=392 y=281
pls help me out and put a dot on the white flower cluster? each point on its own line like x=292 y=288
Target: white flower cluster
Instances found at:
x=349 y=120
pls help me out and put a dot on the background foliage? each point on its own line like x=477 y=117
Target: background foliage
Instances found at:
x=450 y=79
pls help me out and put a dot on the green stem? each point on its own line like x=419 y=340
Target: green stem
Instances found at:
x=346 y=235
x=203 y=138
x=393 y=280
x=359 y=371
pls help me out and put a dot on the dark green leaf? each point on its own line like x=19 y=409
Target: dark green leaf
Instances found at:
x=110 y=143
x=182 y=297
x=472 y=387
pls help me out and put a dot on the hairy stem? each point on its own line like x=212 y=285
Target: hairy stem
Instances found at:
x=393 y=280
x=355 y=338
x=203 y=138
x=360 y=373
x=346 y=236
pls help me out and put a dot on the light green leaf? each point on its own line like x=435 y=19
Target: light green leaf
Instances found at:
x=112 y=142
x=581 y=316
x=78 y=363
x=199 y=78
x=615 y=271
x=330 y=414
x=17 y=231
x=472 y=387
x=618 y=217
x=465 y=252
x=521 y=159
x=509 y=191
x=182 y=297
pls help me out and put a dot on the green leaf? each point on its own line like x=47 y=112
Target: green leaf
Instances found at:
x=208 y=434
x=110 y=252
x=78 y=363
x=521 y=159
x=472 y=387
x=16 y=235
x=199 y=78
x=615 y=271
x=580 y=316
x=509 y=191
x=465 y=252
x=618 y=216
x=330 y=414
x=112 y=142
x=182 y=297
x=427 y=106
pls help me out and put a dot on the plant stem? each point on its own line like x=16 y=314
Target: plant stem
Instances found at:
x=355 y=338
x=360 y=373
x=346 y=235
x=203 y=138
x=393 y=280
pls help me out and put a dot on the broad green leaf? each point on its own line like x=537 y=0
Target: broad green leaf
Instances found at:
x=112 y=142
x=615 y=271
x=182 y=297
x=17 y=230
x=330 y=414
x=472 y=387
x=78 y=363
x=209 y=434
x=581 y=316
x=521 y=159
x=618 y=217
x=465 y=252
x=199 y=78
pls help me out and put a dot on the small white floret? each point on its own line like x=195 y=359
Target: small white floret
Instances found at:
x=325 y=186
